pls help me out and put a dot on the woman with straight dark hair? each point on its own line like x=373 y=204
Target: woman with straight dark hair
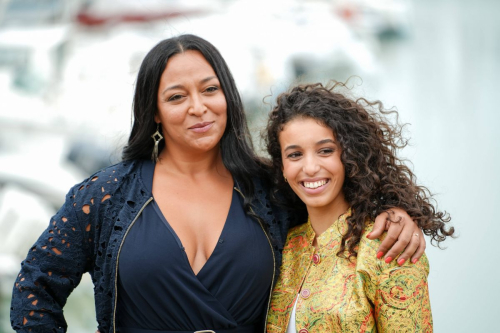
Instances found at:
x=181 y=236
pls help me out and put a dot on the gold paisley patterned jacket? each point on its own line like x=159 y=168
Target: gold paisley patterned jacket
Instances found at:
x=335 y=294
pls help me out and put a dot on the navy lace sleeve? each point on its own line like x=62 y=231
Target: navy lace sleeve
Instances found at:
x=52 y=269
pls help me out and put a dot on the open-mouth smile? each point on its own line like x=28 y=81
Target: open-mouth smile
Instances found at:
x=316 y=184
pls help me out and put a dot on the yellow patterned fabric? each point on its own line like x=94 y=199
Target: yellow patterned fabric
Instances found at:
x=363 y=294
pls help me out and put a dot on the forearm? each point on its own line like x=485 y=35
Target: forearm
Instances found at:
x=51 y=270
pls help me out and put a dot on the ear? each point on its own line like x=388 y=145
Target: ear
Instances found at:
x=157 y=119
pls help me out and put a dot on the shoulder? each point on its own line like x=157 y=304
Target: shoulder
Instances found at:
x=298 y=231
x=111 y=174
x=298 y=236
x=115 y=172
x=101 y=185
x=398 y=292
x=367 y=259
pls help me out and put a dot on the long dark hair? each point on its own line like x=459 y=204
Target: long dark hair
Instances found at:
x=375 y=178
x=236 y=146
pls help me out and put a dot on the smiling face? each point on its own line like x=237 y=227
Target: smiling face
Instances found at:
x=192 y=107
x=312 y=164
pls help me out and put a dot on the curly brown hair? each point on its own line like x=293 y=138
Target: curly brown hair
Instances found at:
x=376 y=180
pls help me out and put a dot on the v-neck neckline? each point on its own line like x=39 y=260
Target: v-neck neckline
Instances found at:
x=179 y=242
x=147 y=174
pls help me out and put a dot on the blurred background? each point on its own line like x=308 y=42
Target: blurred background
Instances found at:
x=67 y=73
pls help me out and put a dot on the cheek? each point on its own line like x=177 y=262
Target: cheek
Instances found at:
x=172 y=116
x=223 y=117
x=220 y=107
x=289 y=169
x=339 y=168
x=340 y=172
x=284 y=166
x=172 y=122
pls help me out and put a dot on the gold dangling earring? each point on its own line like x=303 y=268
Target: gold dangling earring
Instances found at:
x=157 y=137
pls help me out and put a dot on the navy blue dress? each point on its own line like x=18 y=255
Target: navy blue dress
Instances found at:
x=158 y=290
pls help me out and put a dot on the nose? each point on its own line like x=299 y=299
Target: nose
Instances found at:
x=197 y=107
x=311 y=165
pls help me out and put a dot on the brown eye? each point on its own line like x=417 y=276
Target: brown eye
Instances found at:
x=174 y=98
x=326 y=151
x=294 y=155
x=212 y=89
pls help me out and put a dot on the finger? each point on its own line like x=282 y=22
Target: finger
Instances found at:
x=396 y=246
x=397 y=239
x=410 y=249
x=390 y=241
x=421 y=248
x=380 y=225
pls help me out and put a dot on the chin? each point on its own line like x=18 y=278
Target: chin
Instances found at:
x=206 y=146
x=314 y=203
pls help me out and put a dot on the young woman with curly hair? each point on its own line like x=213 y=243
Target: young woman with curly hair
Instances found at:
x=338 y=156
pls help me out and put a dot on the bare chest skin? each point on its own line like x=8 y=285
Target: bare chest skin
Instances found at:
x=196 y=207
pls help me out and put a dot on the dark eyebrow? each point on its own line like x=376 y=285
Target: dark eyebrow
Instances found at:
x=205 y=80
x=177 y=86
x=326 y=141
x=321 y=142
x=292 y=147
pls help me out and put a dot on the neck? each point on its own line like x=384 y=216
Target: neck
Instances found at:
x=323 y=217
x=192 y=164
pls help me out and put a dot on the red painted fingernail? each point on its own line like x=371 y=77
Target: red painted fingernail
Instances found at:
x=414 y=261
x=388 y=259
x=401 y=261
x=368 y=236
x=380 y=254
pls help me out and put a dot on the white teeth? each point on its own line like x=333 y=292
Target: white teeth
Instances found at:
x=314 y=184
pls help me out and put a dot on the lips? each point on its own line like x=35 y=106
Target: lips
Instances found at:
x=201 y=127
